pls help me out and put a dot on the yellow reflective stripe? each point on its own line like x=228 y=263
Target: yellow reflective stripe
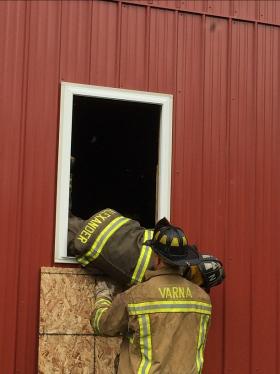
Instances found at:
x=97 y=318
x=82 y=261
x=131 y=339
x=143 y=260
x=170 y=306
x=137 y=270
x=145 y=344
x=204 y=320
x=101 y=240
x=103 y=301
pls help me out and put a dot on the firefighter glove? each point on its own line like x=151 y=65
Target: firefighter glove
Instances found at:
x=104 y=289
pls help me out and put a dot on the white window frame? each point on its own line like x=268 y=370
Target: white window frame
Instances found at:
x=68 y=90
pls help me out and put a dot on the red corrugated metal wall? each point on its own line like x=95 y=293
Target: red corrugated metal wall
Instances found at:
x=223 y=71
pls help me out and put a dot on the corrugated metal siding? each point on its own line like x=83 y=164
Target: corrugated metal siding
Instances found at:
x=105 y=44
x=162 y=52
x=267 y=11
x=12 y=33
x=267 y=178
x=133 y=50
x=75 y=41
x=224 y=76
x=241 y=204
x=39 y=165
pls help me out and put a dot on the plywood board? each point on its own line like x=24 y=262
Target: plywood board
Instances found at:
x=66 y=354
x=66 y=341
x=106 y=354
x=66 y=301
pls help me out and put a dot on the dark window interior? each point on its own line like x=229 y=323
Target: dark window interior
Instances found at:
x=115 y=146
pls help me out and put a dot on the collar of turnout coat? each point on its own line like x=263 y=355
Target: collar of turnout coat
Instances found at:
x=164 y=271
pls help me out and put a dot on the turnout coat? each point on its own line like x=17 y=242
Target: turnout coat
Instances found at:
x=111 y=244
x=164 y=321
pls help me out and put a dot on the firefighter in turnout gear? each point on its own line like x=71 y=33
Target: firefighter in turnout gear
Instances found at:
x=164 y=320
x=111 y=244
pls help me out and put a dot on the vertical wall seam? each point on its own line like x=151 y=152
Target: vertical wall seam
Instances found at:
x=157 y=48
x=203 y=118
x=257 y=10
x=231 y=9
x=227 y=176
x=277 y=275
x=90 y=43
x=60 y=78
x=60 y=41
x=184 y=93
x=147 y=46
x=255 y=88
x=22 y=150
x=119 y=45
x=272 y=171
x=272 y=46
x=176 y=41
x=174 y=127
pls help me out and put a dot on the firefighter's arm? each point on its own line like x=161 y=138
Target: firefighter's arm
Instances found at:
x=109 y=318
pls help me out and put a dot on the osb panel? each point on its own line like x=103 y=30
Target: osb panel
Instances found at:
x=66 y=354
x=106 y=350
x=66 y=301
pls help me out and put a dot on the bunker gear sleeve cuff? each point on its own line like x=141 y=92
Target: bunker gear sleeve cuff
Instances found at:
x=109 y=318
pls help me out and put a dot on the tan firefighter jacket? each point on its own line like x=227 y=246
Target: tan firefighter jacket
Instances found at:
x=115 y=245
x=164 y=322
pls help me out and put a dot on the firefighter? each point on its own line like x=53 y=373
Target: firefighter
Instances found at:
x=164 y=320
x=109 y=243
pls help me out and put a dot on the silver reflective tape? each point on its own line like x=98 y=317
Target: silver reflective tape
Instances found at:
x=104 y=237
x=143 y=260
x=145 y=344
x=201 y=342
x=169 y=307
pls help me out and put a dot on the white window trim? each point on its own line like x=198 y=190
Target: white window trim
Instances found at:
x=68 y=90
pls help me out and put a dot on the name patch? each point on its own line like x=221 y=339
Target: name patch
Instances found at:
x=175 y=292
x=93 y=224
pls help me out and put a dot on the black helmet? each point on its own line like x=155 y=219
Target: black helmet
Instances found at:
x=170 y=243
x=212 y=271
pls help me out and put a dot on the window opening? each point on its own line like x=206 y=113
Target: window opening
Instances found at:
x=115 y=148
x=118 y=143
